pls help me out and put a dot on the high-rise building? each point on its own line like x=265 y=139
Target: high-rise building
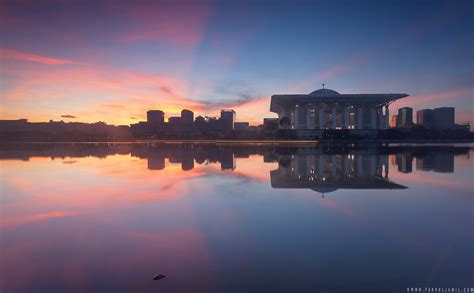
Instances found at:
x=393 y=121
x=424 y=118
x=405 y=117
x=443 y=118
x=227 y=120
x=155 y=117
x=187 y=117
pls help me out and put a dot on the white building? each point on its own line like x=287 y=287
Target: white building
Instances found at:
x=327 y=109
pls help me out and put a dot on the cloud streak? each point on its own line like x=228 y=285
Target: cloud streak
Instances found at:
x=28 y=57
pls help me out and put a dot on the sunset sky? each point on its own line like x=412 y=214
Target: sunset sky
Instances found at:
x=113 y=60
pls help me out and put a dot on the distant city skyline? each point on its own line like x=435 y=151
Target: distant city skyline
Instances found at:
x=113 y=61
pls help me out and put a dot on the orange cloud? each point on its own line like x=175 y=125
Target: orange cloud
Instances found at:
x=6 y=223
x=11 y=54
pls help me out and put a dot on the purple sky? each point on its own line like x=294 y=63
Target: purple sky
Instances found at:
x=113 y=60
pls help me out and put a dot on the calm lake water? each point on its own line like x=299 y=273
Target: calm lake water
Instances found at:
x=109 y=217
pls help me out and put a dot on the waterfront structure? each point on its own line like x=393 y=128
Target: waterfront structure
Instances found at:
x=405 y=117
x=187 y=117
x=443 y=118
x=227 y=120
x=327 y=109
x=155 y=117
x=394 y=121
x=439 y=118
x=425 y=117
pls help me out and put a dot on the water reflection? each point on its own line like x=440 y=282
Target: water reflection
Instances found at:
x=322 y=168
x=325 y=173
x=108 y=217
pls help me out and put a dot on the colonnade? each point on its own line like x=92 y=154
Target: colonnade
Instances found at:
x=337 y=115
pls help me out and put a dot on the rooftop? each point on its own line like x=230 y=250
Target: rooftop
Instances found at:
x=329 y=95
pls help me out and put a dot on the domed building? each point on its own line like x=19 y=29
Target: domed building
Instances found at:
x=324 y=108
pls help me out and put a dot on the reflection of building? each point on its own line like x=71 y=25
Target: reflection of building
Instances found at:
x=437 y=162
x=404 y=162
x=156 y=162
x=319 y=162
x=227 y=159
x=327 y=109
x=325 y=173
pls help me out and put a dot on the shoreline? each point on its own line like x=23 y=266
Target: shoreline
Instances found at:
x=248 y=142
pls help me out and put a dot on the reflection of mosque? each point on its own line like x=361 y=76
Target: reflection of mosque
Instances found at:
x=328 y=172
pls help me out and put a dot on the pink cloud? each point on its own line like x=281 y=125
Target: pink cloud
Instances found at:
x=6 y=223
x=335 y=70
x=449 y=94
x=17 y=55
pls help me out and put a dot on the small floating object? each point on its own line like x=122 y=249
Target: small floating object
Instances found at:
x=158 y=277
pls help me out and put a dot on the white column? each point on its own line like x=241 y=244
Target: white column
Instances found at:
x=334 y=112
x=321 y=116
x=360 y=115
x=372 y=117
x=297 y=116
x=309 y=124
x=346 y=116
x=381 y=119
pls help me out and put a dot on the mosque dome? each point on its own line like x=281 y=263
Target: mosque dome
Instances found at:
x=324 y=92
x=323 y=190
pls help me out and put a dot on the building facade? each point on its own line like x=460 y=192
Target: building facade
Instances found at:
x=425 y=117
x=187 y=117
x=327 y=109
x=155 y=117
x=443 y=118
x=405 y=117
x=227 y=120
